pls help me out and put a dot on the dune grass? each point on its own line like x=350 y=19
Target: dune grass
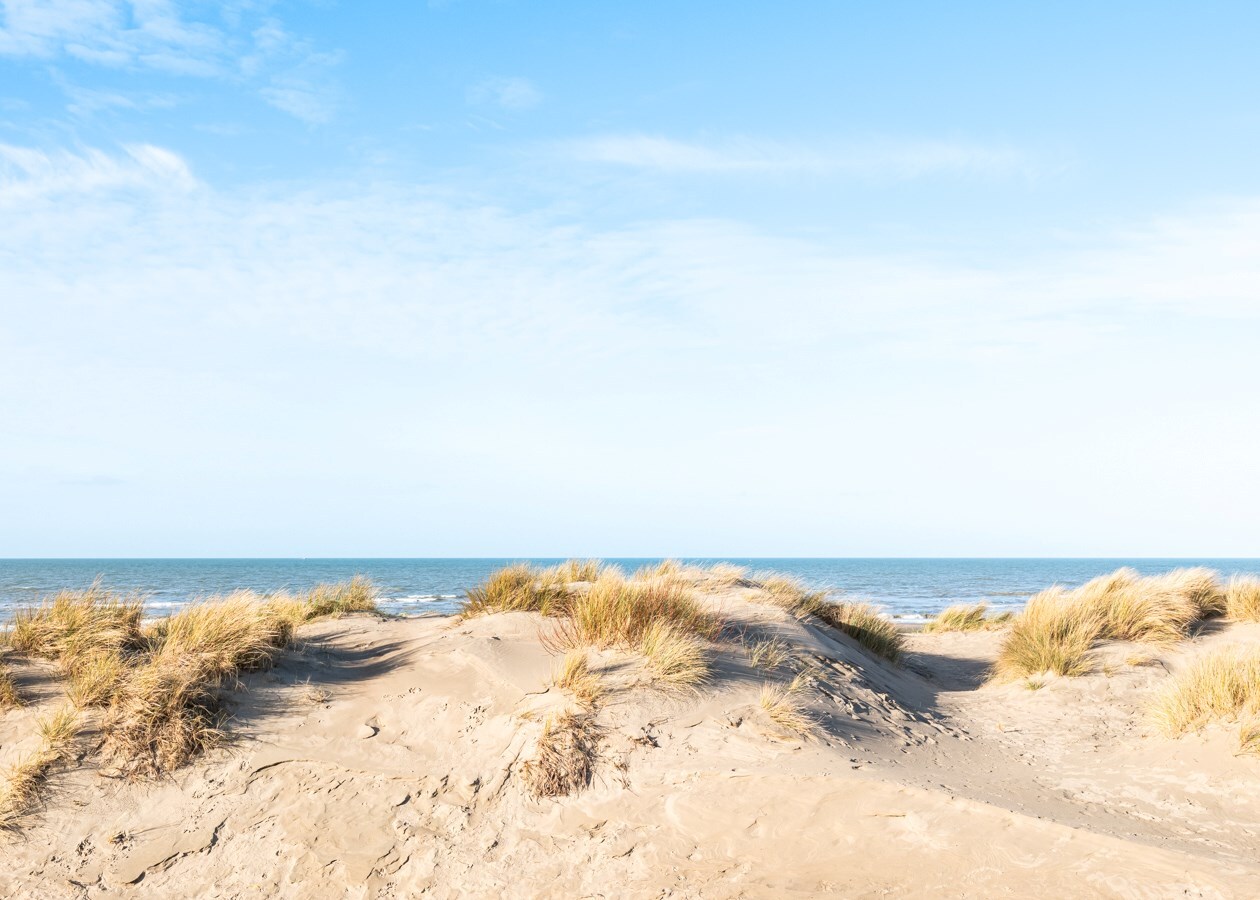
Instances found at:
x=576 y=677
x=676 y=658
x=1242 y=598
x=1059 y=627
x=9 y=696
x=516 y=588
x=1224 y=685
x=860 y=621
x=358 y=595
x=767 y=655
x=76 y=623
x=966 y=617
x=783 y=707
x=25 y=778
x=1050 y=635
x=565 y=759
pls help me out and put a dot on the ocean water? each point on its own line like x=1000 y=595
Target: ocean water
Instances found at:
x=906 y=588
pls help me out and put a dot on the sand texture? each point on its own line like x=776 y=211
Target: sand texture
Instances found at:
x=383 y=759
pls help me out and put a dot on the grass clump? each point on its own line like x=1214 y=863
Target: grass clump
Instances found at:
x=516 y=588
x=72 y=624
x=1059 y=627
x=767 y=655
x=25 y=778
x=860 y=621
x=1219 y=686
x=575 y=570
x=577 y=678
x=1242 y=598
x=617 y=612
x=166 y=709
x=8 y=690
x=1050 y=635
x=863 y=623
x=966 y=617
x=784 y=708
x=565 y=759
x=674 y=657
x=345 y=597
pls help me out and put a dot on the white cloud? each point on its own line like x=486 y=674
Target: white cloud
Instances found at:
x=765 y=392
x=156 y=35
x=515 y=94
x=904 y=159
x=28 y=175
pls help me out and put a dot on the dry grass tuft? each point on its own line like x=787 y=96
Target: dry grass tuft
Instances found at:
x=24 y=779
x=1050 y=635
x=675 y=658
x=966 y=617
x=8 y=690
x=768 y=655
x=1058 y=627
x=94 y=679
x=1249 y=738
x=166 y=708
x=783 y=707
x=1219 y=686
x=862 y=622
x=576 y=677
x=345 y=597
x=1242 y=598
x=616 y=612
x=575 y=570
x=79 y=623
x=565 y=759
x=516 y=588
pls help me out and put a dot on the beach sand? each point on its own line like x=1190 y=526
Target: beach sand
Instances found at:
x=383 y=758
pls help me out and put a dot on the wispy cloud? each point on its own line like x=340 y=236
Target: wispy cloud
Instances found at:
x=895 y=158
x=236 y=46
x=28 y=174
x=513 y=94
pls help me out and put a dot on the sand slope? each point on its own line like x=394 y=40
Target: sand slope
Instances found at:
x=382 y=760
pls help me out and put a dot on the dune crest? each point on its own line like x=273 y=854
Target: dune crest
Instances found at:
x=393 y=758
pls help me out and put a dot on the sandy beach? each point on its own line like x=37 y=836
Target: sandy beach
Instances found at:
x=384 y=757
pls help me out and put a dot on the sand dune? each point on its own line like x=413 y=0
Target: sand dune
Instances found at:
x=383 y=758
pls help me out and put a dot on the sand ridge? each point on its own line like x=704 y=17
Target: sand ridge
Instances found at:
x=382 y=759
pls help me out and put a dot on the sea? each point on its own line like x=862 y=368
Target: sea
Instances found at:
x=906 y=589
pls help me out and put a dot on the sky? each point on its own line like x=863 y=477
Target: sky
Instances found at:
x=502 y=278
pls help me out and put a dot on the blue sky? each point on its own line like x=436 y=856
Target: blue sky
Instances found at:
x=507 y=278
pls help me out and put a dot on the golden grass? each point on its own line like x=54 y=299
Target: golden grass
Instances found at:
x=725 y=574
x=576 y=677
x=1218 y=686
x=616 y=612
x=860 y=621
x=675 y=658
x=1059 y=627
x=335 y=600
x=575 y=570
x=1050 y=635
x=966 y=617
x=565 y=759
x=863 y=623
x=767 y=655
x=165 y=710
x=94 y=679
x=8 y=690
x=76 y=623
x=515 y=588
x=1249 y=737
x=784 y=708
x=1242 y=598
x=25 y=778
